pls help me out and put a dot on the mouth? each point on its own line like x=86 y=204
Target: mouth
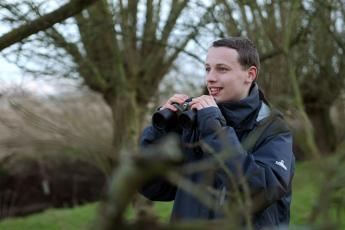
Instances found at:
x=214 y=91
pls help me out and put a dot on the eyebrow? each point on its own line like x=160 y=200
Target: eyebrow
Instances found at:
x=218 y=64
x=222 y=65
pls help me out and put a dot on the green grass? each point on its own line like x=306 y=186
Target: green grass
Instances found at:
x=304 y=196
x=55 y=219
x=73 y=218
x=161 y=209
x=306 y=189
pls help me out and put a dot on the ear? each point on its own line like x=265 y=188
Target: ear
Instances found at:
x=252 y=71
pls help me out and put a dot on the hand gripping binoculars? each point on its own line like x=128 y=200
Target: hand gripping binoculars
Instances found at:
x=184 y=116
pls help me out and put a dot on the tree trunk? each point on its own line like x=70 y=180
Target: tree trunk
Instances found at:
x=127 y=115
x=126 y=121
x=324 y=129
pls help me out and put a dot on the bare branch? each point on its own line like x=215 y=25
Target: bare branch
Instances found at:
x=85 y=67
x=138 y=170
x=44 y=22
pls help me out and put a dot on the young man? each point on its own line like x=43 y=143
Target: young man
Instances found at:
x=234 y=108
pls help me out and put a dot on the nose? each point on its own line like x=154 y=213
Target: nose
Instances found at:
x=211 y=76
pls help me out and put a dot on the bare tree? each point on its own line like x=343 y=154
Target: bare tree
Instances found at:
x=320 y=75
x=122 y=50
x=317 y=64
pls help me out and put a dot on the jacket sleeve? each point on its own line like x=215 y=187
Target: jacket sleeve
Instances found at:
x=268 y=169
x=157 y=189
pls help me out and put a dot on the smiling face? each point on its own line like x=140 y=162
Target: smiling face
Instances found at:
x=226 y=79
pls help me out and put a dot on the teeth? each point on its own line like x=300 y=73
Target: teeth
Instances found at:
x=214 y=90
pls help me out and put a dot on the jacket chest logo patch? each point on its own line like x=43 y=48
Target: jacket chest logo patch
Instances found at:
x=281 y=164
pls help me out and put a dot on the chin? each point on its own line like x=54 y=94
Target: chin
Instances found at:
x=217 y=99
x=224 y=100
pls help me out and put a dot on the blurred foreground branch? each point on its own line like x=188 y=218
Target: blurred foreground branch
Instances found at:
x=131 y=174
x=134 y=171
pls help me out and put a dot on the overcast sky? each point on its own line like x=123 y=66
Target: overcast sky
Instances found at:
x=10 y=74
x=11 y=77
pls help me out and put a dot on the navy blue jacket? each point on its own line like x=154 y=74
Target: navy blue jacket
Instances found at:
x=268 y=166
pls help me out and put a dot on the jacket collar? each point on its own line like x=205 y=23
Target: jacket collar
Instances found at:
x=242 y=114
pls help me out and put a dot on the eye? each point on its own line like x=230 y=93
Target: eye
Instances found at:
x=222 y=69
x=207 y=69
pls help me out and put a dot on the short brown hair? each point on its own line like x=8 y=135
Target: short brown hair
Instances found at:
x=247 y=53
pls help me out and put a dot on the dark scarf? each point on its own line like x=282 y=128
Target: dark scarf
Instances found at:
x=241 y=115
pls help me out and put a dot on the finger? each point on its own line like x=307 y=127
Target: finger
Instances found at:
x=195 y=106
x=210 y=101
x=171 y=107
x=195 y=100
x=203 y=101
x=192 y=102
x=182 y=97
x=178 y=99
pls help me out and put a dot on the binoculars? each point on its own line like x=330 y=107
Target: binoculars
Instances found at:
x=184 y=116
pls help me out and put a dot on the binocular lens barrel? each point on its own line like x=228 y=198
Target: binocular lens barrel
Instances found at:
x=161 y=119
x=186 y=119
x=183 y=116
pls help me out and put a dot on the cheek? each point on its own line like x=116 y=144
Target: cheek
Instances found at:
x=230 y=82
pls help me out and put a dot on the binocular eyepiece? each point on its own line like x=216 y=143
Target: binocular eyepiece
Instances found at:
x=184 y=116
